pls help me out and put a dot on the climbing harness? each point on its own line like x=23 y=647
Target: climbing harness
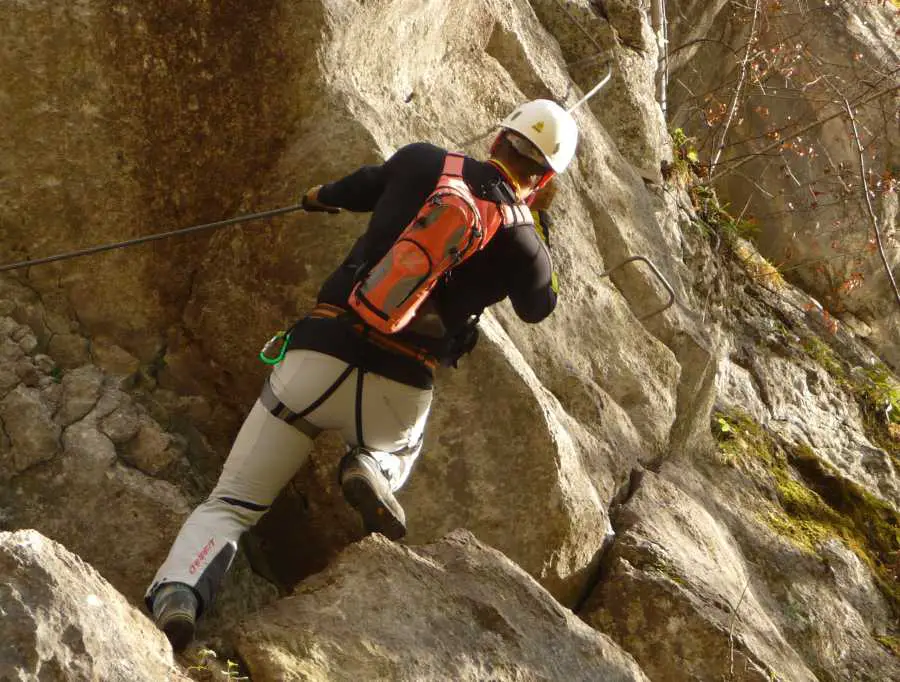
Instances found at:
x=324 y=310
x=151 y=238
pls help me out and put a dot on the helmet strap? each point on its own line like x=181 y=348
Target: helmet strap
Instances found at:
x=547 y=177
x=496 y=142
x=510 y=178
x=507 y=175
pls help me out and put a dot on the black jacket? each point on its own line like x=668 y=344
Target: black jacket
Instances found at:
x=514 y=264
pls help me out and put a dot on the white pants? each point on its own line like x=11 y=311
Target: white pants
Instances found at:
x=268 y=452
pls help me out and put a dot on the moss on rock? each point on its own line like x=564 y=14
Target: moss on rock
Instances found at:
x=878 y=394
x=875 y=389
x=814 y=502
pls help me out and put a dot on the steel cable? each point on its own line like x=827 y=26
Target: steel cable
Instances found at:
x=150 y=238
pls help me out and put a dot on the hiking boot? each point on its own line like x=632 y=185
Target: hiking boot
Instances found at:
x=175 y=613
x=368 y=491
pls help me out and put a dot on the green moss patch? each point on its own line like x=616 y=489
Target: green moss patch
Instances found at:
x=741 y=439
x=878 y=394
x=814 y=502
x=892 y=644
x=875 y=389
x=822 y=353
x=870 y=527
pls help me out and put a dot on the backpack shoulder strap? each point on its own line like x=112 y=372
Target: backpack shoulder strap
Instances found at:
x=453 y=165
x=515 y=215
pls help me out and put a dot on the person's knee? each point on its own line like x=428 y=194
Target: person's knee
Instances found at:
x=233 y=510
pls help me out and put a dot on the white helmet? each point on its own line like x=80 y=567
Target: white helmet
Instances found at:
x=549 y=127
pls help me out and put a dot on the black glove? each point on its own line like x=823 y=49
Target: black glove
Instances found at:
x=461 y=344
x=311 y=204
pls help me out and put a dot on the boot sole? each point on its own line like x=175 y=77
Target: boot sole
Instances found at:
x=377 y=516
x=180 y=632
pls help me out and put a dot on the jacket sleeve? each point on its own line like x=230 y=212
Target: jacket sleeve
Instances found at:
x=358 y=191
x=533 y=285
x=361 y=190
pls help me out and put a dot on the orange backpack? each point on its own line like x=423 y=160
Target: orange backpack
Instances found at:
x=452 y=225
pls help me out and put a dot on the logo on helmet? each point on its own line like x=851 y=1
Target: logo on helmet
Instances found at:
x=539 y=126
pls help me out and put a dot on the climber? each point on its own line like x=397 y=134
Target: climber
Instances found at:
x=339 y=373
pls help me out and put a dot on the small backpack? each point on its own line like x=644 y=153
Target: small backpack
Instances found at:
x=452 y=225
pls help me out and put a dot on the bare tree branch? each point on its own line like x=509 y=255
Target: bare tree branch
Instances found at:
x=803 y=129
x=661 y=32
x=735 y=100
x=865 y=190
x=734 y=613
x=700 y=40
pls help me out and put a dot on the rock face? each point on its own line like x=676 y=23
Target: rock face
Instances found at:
x=63 y=622
x=615 y=37
x=63 y=475
x=738 y=547
x=87 y=464
x=729 y=464
x=451 y=610
x=674 y=569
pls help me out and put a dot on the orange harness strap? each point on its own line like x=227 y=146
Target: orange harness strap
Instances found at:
x=329 y=311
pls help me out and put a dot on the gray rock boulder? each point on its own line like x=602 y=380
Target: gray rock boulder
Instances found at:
x=62 y=622
x=28 y=422
x=81 y=390
x=678 y=595
x=455 y=610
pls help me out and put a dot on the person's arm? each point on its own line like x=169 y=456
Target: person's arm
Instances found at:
x=533 y=284
x=360 y=190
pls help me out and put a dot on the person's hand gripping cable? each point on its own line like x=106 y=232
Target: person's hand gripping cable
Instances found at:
x=311 y=204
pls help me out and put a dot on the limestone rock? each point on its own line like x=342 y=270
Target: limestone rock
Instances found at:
x=86 y=445
x=28 y=373
x=455 y=609
x=81 y=390
x=615 y=36
x=113 y=358
x=63 y=622
x=10 y=351
x=26 y=339
x=44 y=364
x=119 y=519
x=7 y=464
x=122 y=424
x=115 y=517
x=9 y=379
x=674 y=580
x=69 y=350
x=29 y=424
x=14 y=331
x=152 y=450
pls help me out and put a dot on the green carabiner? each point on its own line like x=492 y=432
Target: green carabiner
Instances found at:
x=281 y=337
